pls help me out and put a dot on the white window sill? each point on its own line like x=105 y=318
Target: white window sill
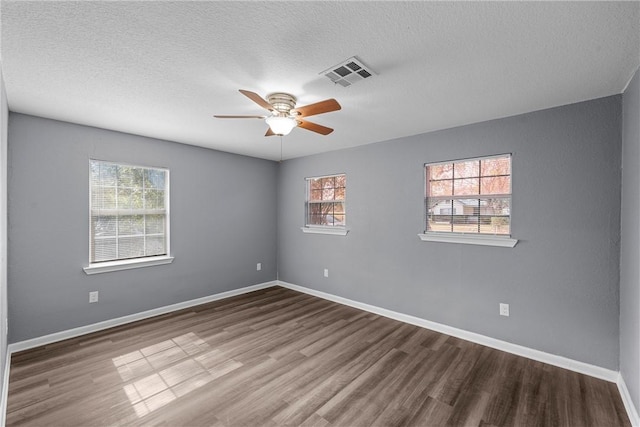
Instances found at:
x=467 y=239
x=336 y=231
x=106 y=267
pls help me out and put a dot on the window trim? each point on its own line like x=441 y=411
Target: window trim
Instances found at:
x=127 y=264
x=131 y=263
x=335 y=230
x=469 y=239
x=483 y=239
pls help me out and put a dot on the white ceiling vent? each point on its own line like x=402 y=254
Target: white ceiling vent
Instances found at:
x=348 y=72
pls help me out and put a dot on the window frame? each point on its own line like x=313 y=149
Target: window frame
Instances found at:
x=130 y=263
x=470 y=238
x=339 y=230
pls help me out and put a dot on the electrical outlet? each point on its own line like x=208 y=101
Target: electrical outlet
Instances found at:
x=504 y=309
x=326 y=272
x=259 y=266
x=93 y=296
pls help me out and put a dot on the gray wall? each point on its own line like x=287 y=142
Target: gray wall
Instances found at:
x=4 y=117
x=223 y=216
x=562 y=278
x=630 y=242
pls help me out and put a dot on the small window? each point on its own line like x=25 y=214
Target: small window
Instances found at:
x=325 y=205
x=129 y=212
x=470 y=196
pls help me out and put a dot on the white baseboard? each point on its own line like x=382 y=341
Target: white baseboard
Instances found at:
x=632 y=411
x=95 y=327
x=541 y=356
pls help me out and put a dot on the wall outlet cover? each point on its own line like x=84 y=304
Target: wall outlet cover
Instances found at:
x=93 y=296
x=504 y=309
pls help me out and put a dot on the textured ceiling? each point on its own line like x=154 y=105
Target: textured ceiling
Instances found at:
x=162 y=69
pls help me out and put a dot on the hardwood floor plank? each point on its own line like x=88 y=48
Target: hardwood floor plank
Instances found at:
x=400 y=408
x=430 y=412
x=276 y=357
x=469 y=408
x=323 y=375
x=354 y=395
x=506 y=391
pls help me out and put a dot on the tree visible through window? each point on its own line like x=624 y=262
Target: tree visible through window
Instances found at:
x=469 y=196
x=128 y=211
x=326 y=201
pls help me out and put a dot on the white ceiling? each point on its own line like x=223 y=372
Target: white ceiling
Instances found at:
x=162 y=69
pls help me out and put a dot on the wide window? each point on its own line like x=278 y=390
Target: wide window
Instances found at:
x=326 y=197
x=471 y=196
x=129 y=212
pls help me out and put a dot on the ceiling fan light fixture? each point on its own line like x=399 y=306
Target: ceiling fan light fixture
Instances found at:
x=284 y=114
x=281 y=125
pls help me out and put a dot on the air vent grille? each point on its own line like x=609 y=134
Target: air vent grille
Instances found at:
x=348 y=72
x=342 y=71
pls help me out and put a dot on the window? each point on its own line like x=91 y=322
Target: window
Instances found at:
x=325 y=204
x=129 y=215
x=469 y=197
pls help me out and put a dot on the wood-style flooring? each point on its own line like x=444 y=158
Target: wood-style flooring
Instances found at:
x=276 y=357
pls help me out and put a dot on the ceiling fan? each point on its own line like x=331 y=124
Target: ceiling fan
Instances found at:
x=284 y=114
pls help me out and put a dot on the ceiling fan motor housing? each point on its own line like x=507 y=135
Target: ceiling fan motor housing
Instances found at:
x=283 y=103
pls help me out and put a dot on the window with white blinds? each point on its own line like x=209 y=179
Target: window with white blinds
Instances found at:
x=129 y=212
x=471 y=196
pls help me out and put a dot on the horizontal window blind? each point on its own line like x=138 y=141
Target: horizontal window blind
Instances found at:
x=469 y=196
x=128 y=211
x=326 y=197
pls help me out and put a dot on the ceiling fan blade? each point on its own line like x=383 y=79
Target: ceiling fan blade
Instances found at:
x=257 y=99
x=314 y=127
x=269 y=132
x=321 y=107
x=238 y=117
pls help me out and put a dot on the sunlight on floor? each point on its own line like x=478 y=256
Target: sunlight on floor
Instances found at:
x=163 y=380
